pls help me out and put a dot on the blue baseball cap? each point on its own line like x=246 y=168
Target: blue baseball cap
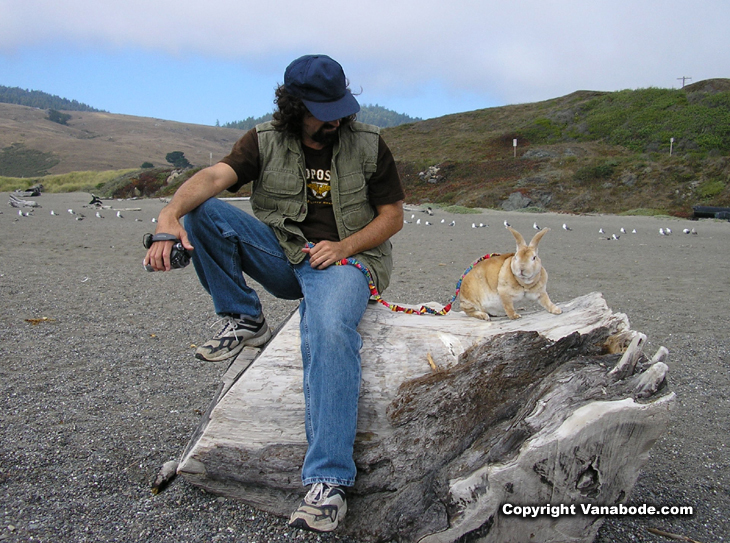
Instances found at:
x=319 y=82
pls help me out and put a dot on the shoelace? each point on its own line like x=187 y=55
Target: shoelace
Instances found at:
x=228 y=321
x=316 y=494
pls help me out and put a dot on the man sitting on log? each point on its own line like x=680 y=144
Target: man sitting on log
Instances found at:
x=325 y=188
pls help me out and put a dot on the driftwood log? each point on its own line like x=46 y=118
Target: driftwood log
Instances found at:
x=459 y=421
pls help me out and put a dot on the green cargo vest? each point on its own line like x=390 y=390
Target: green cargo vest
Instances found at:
x=279 y=196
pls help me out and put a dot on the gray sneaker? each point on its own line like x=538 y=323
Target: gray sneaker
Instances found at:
x=237 y=332
x=321 y=510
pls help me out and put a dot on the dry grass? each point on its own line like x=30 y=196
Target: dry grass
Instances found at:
x=102 y=141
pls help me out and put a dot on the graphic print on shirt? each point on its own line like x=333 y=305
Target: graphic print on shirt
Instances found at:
x=318 y=185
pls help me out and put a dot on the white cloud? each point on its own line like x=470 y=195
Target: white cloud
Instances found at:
x=507 y=52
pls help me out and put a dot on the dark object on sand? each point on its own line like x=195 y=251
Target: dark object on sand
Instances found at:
x=711 y=212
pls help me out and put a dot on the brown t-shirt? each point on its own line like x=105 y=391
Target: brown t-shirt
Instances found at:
x=384 y=186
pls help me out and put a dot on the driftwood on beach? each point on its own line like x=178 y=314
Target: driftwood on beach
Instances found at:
x=459 y=420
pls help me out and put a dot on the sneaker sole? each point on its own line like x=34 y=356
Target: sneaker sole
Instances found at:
x=256 y=341
x=301 y=522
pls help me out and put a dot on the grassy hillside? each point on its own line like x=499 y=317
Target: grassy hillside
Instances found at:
x=103 y=141
x=585 y=152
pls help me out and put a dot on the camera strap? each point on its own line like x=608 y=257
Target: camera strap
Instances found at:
x=149 y=239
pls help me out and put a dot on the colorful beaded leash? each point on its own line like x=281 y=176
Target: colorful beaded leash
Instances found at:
x=393 y=307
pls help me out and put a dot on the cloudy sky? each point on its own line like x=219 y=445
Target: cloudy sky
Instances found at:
x=220 y=60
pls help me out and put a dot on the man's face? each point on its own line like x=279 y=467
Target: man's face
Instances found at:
x=322 y=133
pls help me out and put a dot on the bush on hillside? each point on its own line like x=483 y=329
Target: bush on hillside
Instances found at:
x=18 y=161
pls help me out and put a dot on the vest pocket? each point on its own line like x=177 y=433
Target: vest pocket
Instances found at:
x=288 y=209
x=356 y=217
x=281 y=182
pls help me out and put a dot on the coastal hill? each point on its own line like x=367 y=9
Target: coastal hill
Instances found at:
x=664 y=150
x=103 y=141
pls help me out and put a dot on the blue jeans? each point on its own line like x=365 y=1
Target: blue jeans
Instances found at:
x=228 y=243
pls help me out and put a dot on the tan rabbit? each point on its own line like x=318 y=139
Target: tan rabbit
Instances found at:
x=494 y=285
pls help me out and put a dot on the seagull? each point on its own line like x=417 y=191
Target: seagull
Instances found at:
x=694 y=232
x=427 y=223
x=623 y=230
x=661 y=232
x=614 y=236
x=80 y=218
x=535 y=226
x=119 y=214
x=99 y=215
x=418 y=221
x=429 y=211
x=53 y=212
x=452 y=223
x=506 y=224
x=72 y=212
x=686 y=230
x=600 y=231
x=482 y=225
x=668 y=230
x=443 y=221
x=155 y=220
x=633 y=231
x=473 y=225
x=406 y=222
x=413 y=216
x=566 y=227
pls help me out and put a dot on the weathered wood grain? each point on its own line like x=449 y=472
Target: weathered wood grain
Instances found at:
x=532 y=411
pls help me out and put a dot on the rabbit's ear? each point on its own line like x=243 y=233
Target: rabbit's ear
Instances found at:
x=536 y=239
x=518 y=237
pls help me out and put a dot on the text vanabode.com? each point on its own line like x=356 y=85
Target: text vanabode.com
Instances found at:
x=533 y=511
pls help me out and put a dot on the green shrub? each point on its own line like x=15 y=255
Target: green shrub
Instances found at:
x=594 y=172
x=18 y=161
x=710 y=188
x=461 y=210
x=644 y=212
x=58 y=117
x=66 y=182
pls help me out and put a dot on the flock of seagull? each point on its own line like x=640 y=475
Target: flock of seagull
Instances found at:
x=663 y=231
x=98 y=205
x=32 y=205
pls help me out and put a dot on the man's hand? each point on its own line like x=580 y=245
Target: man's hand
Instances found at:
x=203 y=185
x=158 y=255
x=387 y=222
x=326 y=253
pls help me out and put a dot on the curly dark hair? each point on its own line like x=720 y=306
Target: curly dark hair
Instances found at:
x=291 y=111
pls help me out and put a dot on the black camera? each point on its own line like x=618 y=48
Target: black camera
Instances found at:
x=179 y=256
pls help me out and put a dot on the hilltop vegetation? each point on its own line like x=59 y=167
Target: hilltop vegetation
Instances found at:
x=585 y=152
x=370 y=114
x=41 y=100
x=663 y=150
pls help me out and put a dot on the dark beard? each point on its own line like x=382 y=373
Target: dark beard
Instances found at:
x=326 y=138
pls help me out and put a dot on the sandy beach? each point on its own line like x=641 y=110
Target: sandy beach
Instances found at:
x=99 y=385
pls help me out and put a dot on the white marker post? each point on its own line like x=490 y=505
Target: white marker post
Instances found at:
x=514 y=147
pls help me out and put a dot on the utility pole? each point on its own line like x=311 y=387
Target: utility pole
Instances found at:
x=683 y=78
